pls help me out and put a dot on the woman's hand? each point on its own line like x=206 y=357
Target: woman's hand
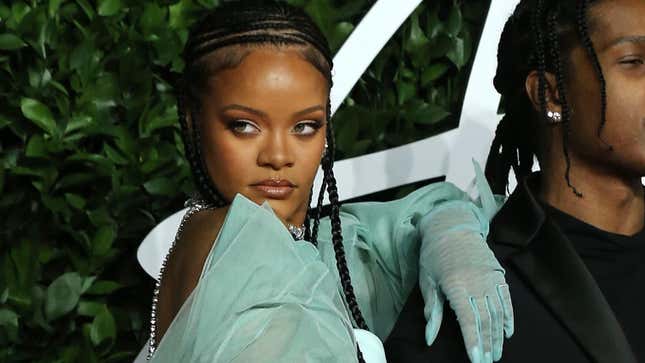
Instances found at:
x=456 y=262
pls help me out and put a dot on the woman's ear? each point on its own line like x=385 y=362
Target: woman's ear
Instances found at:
x=551 y=93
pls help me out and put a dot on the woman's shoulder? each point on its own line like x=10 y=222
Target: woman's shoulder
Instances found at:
x=184 y=265
x=197 y=238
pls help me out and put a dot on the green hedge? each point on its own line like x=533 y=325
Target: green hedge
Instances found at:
x=91 y=157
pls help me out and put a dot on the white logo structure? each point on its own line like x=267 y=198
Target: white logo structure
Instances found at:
x=448 y=154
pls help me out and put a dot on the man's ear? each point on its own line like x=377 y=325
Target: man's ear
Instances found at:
x=551 y=93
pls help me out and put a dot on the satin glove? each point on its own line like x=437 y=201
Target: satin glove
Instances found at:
x=455 y=262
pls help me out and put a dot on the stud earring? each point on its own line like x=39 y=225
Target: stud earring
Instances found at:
x=325 y=150
x=554 y=117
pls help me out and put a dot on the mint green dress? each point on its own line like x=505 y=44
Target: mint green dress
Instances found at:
x=263 y=297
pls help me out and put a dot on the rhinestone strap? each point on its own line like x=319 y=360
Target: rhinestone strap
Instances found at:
x=194 y=206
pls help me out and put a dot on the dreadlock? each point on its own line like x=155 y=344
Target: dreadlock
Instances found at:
x=240 y=25
x=546 y=31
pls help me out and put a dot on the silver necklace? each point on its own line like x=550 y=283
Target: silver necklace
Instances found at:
x=194 y=206
x=298 y=233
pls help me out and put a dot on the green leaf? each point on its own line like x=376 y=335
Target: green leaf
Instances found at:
x=63 y=295
x=75 y=200
x=87 y=8
x=427 y=114
x=90 y=308
x=87 y=283
x=11 y=42
x=99 y=217
x=114 y=155
x=4 y=121
x=104 y=287
x=18 y=11
x=103 y=327
x=39 y=114
x=457 y=54
x=433 y=73
x=406 y=91
x=8 y=318
x=36 y=147
x=454 y=23
x=102 y=241
x=160 y=186
x=153 y=18
x=53 y=6
x=417 y=39
x=109 y=7
x=77 y=123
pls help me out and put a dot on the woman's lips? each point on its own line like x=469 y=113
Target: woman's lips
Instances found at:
x=274 y=189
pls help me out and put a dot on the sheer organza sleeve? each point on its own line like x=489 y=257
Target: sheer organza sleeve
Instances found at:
x=262 y=297
x=382 y=245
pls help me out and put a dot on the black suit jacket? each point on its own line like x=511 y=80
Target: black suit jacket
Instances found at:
x=560 y=313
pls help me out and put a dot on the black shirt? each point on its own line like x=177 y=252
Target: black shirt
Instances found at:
x=617 y=263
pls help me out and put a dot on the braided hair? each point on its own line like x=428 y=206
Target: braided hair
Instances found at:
x=544 y=32
x=239 y=25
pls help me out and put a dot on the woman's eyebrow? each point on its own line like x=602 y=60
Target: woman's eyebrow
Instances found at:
x=244 y=108
x=309 y=110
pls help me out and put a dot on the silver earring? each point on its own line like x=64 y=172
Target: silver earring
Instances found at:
x=554 y=117
x=325 y=150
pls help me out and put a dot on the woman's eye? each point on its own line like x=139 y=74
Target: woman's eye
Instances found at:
x=306 y=128
x=245 y=127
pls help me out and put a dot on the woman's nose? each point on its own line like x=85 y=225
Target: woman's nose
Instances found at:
x=276 y=152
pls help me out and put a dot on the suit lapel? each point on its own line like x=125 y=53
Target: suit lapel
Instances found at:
x=549 y=264
x=558 y=275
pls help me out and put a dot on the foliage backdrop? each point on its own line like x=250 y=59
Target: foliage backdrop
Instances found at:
x=91 y=157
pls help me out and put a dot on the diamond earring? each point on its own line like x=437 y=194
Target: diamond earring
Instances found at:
x=325 y=150
x=554 y=117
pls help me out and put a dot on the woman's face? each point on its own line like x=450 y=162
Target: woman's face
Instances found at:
x=618 y=34
x=263 y=128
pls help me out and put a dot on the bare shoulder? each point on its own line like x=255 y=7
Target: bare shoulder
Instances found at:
x=184 y=265
x=200 y=232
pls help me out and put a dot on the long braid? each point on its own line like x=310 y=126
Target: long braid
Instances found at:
x=307 y=223
x=319 y=204
x=560 y=80
x=512 y=146
x=337 y=241
x=323 y=186
x=541 y=57
x=337 y=237
x=583 y=33
x=193 y=154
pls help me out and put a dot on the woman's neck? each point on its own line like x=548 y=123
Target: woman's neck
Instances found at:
x=609 y=202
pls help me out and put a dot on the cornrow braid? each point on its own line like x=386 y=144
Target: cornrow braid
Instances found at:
x=583 y=33
x=560 y=79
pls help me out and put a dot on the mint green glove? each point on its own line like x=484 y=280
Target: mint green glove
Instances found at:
x=455 y=262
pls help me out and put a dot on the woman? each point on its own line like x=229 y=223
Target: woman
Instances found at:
x=237 y=286
x=570 y=236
